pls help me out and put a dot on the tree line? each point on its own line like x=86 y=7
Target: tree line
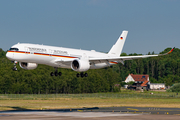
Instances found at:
x=163 y=69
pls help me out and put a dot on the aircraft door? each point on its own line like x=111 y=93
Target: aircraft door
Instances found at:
x=50 y=52
x=26 y=50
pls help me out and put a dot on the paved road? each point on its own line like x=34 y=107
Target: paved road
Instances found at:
x=149 y=110
x=106 y=113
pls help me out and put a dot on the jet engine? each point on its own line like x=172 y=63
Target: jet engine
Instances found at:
x=80 y=65
x=28 y=66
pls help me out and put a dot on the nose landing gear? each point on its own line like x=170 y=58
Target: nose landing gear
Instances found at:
x=15 y=68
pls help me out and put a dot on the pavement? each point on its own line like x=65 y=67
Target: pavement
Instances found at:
x=96 y=113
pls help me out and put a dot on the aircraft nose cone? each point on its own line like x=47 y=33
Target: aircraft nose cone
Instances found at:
x=9 y=55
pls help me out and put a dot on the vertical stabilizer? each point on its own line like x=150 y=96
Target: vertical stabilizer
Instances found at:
x=118 y=46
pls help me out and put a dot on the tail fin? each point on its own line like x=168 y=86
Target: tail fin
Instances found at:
x=117 y=48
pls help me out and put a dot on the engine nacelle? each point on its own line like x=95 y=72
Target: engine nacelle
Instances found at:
x=80 y=65
x=28 y=66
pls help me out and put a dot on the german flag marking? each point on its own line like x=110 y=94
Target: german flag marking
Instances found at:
x=114 y=62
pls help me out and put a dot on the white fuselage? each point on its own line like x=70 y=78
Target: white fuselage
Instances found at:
x=48 y=55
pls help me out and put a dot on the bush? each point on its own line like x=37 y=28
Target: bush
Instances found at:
x=174 y=88
x=130 y=83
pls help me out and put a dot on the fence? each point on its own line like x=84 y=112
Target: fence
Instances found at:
x=88 y=95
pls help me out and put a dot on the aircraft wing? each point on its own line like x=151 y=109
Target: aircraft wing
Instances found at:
x=115 y=60
x=63 y=61
x=123 y=58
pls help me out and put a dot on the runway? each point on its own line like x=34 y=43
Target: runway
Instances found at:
x=106 y=113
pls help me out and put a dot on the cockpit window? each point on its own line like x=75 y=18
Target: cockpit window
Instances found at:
x=14 y=49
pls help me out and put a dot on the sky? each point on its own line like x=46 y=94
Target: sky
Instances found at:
x=153 y=25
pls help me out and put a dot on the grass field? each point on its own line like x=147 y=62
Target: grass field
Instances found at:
x=58 y=101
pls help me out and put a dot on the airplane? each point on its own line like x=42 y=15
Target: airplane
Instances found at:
x=30 y=55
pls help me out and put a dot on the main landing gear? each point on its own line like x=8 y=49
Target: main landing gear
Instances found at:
x=81 y=74
x=15 y=68
x=56 y=73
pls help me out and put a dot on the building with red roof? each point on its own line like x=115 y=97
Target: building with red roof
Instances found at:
x=136 y=78
x=140 y=81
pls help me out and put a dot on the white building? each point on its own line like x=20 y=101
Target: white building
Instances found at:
x=143 y=81
x=157 y=86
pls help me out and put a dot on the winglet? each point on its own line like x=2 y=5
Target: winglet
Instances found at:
x=167 y=52
x=171 y=51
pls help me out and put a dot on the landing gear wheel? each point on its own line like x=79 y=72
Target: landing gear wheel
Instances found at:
x=56 y=73
x=82 y=74
x=14 y=68
x=85 y=74
x=52 y=74
x=77 y=75
x=59 y=73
